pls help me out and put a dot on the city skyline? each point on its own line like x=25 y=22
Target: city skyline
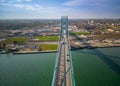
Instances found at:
x=54 y=9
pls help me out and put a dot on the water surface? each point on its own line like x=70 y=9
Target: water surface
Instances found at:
x=92 y=67
x=97 y=67
x=27 y=69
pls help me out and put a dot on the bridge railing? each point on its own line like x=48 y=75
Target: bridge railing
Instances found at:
x=56 y=63
x=71 y=64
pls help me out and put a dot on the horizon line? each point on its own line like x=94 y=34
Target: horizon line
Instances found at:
x=54 y=18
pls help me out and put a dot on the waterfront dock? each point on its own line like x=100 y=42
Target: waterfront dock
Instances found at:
x=33 y=52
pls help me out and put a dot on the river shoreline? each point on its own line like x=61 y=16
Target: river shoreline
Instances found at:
x=32 y=52
x=91 y=47
x=53 y=51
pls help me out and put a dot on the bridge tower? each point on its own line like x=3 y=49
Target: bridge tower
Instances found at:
x=64 y=26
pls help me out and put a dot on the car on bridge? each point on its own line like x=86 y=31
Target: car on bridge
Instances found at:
x=62 y=42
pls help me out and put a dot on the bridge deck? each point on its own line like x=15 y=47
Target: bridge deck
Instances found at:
x=63 y=72
x=63 y=75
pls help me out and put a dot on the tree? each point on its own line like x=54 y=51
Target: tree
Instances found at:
x=15 y=42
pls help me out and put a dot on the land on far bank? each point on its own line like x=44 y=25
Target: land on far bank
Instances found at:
x=41 y=48
x=47 y=38
x=44 y=47
x=95 y=41
x=37 y=35
x=50 y=43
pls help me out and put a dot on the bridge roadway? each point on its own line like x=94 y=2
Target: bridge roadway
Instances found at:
x=63 y=71
x=63 y=75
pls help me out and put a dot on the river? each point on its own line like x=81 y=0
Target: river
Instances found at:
x=97 y=67
x=92 y=67
x=26 y=69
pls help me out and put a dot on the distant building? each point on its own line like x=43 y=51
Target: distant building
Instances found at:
x=90 y=22
x=110 y=30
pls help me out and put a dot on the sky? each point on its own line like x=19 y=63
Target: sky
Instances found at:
x=54 y=9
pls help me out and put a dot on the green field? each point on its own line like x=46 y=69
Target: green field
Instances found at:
x=48 y=47
x=103 y=30
x=79 y=33
x=48 y=38
x=16 y=39
x=0 y=42
x=95 y=67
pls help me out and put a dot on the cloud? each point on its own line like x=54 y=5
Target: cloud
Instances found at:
x=28 y=0
x=32 y=7
x=18 y=0
x=13 y=1
x=73 y=2
x=86 y=2
x=32 y=10
x=2 y=0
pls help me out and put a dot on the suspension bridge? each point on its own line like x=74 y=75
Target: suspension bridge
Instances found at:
x=63 y=71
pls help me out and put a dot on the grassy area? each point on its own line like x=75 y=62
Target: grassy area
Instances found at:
x=103 y=30
x=0 y=42
x=48 y=38
x=48 y=47
x=16 y=40
x=79 y=33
